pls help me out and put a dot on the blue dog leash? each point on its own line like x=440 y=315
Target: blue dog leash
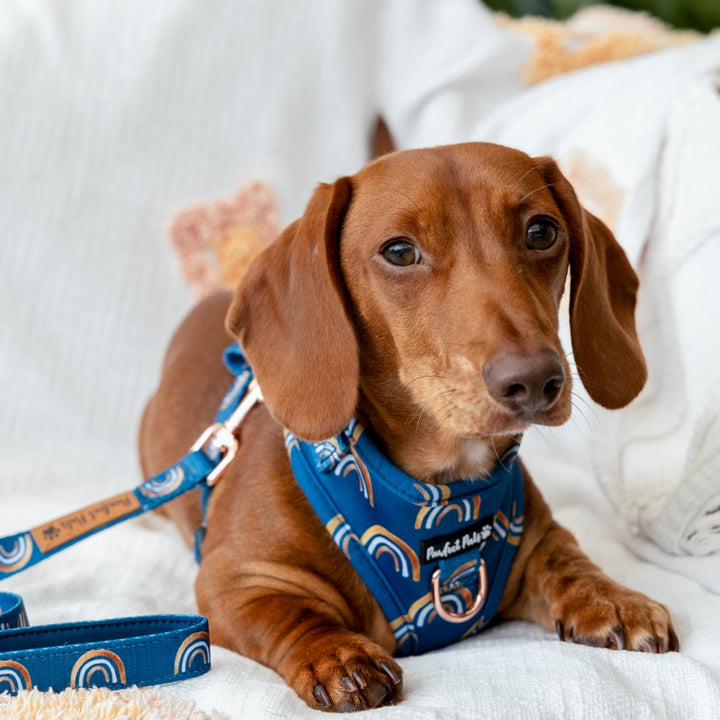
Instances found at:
x=121 y=652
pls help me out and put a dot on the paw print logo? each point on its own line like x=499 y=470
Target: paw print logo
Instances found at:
x=51 y=532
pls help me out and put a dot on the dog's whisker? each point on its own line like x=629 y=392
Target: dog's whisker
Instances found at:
x=589 y=406
x=417 y=205
x=446 y=417
x=537 y=189
x=543 y=436
x=534 y=168
x=577 y=411
x=425 y=377
x=497 y=454
x=396 y=381
x=417 y=416
x=423 y=409
x=464 y=343
x=576 y=424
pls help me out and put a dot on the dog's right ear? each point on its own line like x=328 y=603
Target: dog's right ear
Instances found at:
x=289 y=315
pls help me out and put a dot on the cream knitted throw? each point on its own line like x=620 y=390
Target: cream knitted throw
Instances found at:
x=100 y=704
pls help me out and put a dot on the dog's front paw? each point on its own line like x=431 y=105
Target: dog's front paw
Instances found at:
x=344 y=671
x=601 y=613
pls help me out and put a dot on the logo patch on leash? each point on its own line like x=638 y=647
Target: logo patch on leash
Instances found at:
x=447 y=546
x=64 y=530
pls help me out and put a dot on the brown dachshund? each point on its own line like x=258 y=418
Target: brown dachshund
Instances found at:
x=420 y=295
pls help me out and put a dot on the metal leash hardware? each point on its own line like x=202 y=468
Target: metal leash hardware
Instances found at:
x=220 y=438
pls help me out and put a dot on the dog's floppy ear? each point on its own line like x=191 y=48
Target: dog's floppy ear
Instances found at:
x=603 y=292
x=289 y=315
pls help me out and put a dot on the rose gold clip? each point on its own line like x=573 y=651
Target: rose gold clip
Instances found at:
x=453 y=617
x=220 y=437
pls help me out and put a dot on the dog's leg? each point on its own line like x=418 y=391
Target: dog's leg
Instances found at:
x=277 y=589
x=562 y=590
x=298 y=624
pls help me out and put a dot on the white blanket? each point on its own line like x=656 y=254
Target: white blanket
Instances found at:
x=115 y=116
x=510 y=670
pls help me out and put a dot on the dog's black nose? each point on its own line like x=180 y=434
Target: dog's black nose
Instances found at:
x=525 y=383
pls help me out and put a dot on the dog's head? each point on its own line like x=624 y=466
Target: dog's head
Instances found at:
x=422 y=294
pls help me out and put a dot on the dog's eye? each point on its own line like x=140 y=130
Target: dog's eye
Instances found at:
x=401 y=252
x=541 y=234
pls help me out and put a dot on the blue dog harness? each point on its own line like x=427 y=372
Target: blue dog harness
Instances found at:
x=436 y=557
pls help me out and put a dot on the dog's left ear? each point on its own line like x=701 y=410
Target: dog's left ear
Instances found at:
x=603 y=293
x=290 y=318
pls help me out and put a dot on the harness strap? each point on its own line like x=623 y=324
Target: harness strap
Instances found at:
x=121 y=652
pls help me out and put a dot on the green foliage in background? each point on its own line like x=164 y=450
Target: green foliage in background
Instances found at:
x=703 y=15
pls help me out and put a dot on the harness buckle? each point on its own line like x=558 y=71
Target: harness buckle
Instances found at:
x=220 y=438
x=454 y=617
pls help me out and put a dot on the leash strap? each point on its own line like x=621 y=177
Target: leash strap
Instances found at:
x=121 y=652
x=114 y=653
x=25 y=549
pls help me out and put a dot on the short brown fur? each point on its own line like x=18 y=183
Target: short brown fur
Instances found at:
x=430 y=334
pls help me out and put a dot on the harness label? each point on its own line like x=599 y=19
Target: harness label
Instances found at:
x=447 y=546
x=57 y=533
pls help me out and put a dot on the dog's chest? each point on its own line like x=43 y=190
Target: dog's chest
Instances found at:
x=420 y=548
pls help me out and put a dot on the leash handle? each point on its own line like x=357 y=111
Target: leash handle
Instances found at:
x=113 y=653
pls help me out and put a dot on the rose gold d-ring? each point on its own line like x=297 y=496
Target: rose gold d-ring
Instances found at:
x=453 y=617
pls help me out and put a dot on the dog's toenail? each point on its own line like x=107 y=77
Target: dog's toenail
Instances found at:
x=673 y=642
x=359 y=679
x=390 y=673
x=560 y=629
x=321 y=696
x=348 y=684
x=619 y=635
